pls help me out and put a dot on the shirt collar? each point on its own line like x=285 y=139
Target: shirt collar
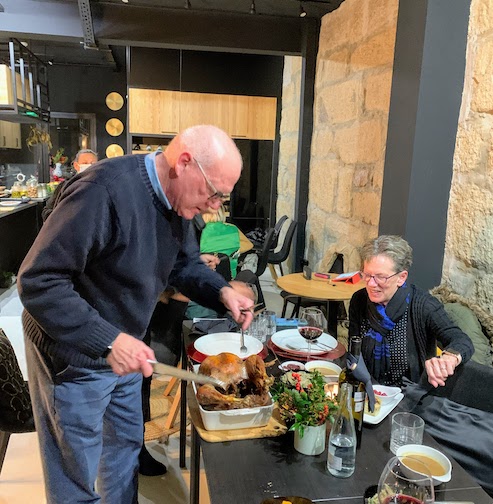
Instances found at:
x=150 y=162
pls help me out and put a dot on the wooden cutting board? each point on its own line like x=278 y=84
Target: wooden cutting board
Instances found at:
x=274 y=428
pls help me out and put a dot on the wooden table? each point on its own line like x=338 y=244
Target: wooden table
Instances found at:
x=320 y=289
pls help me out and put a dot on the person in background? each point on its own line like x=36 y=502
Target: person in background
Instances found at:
x=118 y=237
x=83 y=159
x=401 y=324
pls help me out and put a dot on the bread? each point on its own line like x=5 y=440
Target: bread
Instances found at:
x=376 y=411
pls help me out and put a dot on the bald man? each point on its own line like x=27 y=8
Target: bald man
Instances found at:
x=119 y=236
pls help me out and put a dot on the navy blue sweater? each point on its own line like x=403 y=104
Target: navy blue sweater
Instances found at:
x=101 y=260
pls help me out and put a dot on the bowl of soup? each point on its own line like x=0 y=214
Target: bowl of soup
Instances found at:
x=438 y=463
x=328 y=369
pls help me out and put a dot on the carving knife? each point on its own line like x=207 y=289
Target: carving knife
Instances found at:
x=183 y=374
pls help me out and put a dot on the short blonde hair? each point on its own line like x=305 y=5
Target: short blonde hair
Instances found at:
x=215 y=216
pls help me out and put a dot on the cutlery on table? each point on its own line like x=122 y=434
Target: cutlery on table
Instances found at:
x=183 y=374
x=243 y=348
x=321 y=346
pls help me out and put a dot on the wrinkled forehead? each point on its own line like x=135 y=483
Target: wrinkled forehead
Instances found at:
x=87 y=158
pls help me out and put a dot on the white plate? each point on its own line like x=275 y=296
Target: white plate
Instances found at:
x=291 y=340
x=385 y=409
x=213 y=344
x=10 y=203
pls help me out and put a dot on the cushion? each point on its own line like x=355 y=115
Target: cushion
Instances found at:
x=467 y=321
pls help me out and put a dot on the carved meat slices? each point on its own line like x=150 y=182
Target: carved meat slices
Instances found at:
x=247 y=382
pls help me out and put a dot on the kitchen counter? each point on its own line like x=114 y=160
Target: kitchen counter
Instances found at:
x=19 y=227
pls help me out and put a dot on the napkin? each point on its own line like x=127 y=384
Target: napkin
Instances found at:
x=210 y=326
x=361 y=373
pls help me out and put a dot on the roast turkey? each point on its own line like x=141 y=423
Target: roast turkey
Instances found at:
x=247 y=383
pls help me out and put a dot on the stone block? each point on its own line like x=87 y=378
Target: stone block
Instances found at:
x=290 y=119
x=361 y=176
x=471 y=149
x=362 y=143
x=322 y=141
x=323 y=183
x=289 y=95
x=482 y=89
x=342 y=26
x=366 y=207
x=374 y=52
x=381 y=13
x=333 y=66
x=481 y=18
x=345 y=195
x=377 y=91
x=289 y=146
x=342 y=101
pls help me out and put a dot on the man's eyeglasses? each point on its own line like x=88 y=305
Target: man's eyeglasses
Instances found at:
x=378 y=279
x=216 y=195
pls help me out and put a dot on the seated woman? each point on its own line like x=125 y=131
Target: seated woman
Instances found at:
x=401 y=324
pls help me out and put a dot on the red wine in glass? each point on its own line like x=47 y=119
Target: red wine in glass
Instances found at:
x=402 y=499
x=310 y=333
x=310 y=325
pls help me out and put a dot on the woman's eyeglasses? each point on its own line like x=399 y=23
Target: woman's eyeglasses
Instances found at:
x=378 y=279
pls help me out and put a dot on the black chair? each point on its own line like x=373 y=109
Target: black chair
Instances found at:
x=15 y=403
x=280 y=256
x=263 y=255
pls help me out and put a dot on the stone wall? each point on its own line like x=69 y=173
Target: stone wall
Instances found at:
x=352 y=97
x=468 y=262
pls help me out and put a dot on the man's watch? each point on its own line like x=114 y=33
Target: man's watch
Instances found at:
x=453 y=353
x=107 y=352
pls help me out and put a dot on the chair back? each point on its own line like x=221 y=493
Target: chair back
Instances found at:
x=282 y=254
x=263 y=255
x=277 y=229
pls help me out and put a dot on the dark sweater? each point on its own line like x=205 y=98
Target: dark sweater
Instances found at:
x=100 y=262
x=428 y=323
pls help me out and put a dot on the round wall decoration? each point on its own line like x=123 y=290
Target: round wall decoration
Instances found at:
x=114 y=101
x=114 y=150
x=114 y=127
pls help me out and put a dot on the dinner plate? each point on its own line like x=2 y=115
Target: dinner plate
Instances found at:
x=291 y=341
x=10 y=203
x=339 y=351
x=385 y=409
x=200 y=357
x=213 y=344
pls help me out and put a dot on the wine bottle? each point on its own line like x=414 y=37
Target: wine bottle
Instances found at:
x=341 y=458
x=358 y=389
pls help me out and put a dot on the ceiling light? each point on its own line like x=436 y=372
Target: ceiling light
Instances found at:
x=125 y=1
x=302 y=10
x=50 y=62
x=187 y=4
x=253 y=10
x=24 y=43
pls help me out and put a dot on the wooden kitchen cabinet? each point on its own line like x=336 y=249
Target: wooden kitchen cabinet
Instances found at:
x=262 y=118
x=10 y=135
x=154 y=111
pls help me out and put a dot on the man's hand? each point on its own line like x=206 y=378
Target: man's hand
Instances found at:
x=243 y=288
x=240 y=306
x=440 y=368
x=129 y=355
x=210 y=260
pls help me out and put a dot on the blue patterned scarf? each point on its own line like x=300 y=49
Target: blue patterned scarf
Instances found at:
x=382 y=320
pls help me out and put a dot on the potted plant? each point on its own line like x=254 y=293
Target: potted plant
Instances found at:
x=6 y=279
x=305 y=408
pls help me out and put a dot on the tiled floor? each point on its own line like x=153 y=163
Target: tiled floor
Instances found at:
x=21 y=477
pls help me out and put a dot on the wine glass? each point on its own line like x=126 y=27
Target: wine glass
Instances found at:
x=310 y=325
x=401 y=484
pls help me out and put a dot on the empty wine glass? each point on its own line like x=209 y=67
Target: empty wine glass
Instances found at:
x=406 y=480
x=310 y=325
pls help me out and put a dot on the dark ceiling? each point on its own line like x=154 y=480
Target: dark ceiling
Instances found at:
x=121 y=17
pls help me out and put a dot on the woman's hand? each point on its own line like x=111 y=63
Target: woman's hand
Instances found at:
x=440 y=368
